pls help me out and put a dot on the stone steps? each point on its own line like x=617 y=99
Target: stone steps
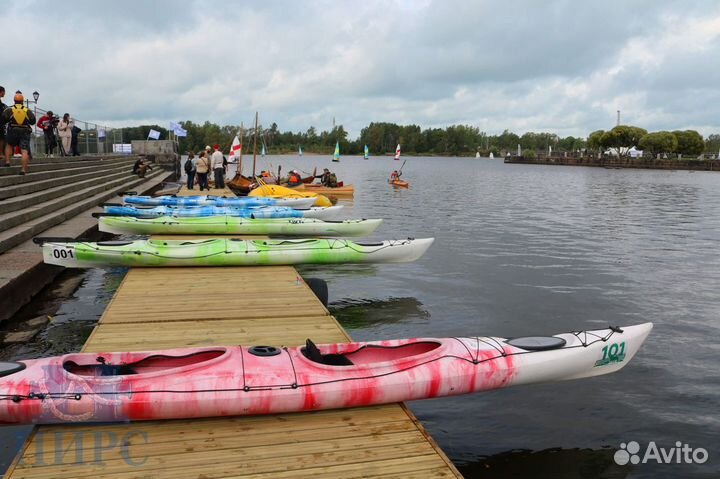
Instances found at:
x=45 y=197
x=45 y=215
x=59 y=165
x=10 y=177
x=22 y=271
x=70 y=176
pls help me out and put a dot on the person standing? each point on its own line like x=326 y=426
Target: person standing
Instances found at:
x=218 y=168
x=19 y=120
x=201 y=168
x=65 y=127
x=46 y=124
x=74 y=150
x=190 y=170
x=3 y=106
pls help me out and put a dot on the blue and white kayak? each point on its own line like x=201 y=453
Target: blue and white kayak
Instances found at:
x=206 y=200
x=114 y=209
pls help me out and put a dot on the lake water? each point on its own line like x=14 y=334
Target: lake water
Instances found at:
x=523 y=250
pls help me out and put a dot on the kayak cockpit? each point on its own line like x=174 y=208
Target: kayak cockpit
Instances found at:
x=149 y=364
x=368 y=354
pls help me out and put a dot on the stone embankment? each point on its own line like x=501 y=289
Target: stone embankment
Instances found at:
x=614 y=162
x=55 y=198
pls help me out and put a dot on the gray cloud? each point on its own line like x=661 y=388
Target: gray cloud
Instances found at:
x=564 y=66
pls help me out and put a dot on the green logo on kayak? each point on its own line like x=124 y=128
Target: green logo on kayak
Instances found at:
x=614 y=353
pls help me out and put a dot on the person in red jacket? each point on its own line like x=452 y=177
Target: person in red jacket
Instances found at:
x=47 y=124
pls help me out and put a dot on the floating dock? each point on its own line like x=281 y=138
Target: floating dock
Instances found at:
x=176 y=307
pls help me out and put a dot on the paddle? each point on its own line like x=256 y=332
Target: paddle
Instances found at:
x=400 y=170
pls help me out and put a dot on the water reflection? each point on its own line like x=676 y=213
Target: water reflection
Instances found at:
x=552 y=463
x=363 y=313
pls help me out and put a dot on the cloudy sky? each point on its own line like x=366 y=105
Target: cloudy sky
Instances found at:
x=524 y=65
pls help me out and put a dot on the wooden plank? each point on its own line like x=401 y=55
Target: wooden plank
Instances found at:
x=157 y=308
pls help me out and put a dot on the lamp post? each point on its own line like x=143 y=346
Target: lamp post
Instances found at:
x=35 y=95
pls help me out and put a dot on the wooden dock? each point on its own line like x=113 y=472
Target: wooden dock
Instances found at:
x=176 y=307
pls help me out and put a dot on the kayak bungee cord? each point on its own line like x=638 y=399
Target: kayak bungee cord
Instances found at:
x=492 y=342
x=309 y=245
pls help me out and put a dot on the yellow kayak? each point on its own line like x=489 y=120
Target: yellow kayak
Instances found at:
x=277 y=191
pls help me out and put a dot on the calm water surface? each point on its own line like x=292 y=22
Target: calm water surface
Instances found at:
x=524 y=250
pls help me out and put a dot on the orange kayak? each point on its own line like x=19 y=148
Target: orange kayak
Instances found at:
x=399 y=183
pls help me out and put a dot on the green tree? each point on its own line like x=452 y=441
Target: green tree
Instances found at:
x=622 y=138
x=658 y=142
x=594 y=141
x=689 y=142
x=507 y=141
x=712 y=144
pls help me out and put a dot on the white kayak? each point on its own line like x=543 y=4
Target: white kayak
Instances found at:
x=234 y=225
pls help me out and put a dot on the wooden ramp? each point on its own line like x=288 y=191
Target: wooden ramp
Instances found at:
x=175 y=307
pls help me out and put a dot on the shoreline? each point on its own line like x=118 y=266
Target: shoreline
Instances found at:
x=617 y=163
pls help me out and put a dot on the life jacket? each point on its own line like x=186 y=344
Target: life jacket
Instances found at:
x=332 y=180
x=294 y=179
x=265 y=174
x=19 y=114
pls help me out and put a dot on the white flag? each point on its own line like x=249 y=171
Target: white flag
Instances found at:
x=235 y=149
x=177 y=129
x=154 y=134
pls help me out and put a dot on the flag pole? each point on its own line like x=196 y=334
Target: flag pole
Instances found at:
x=255 y=143
x=242 y=133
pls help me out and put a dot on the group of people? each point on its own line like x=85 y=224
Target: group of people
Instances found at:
x=64 y=128
x=327 y=178
x=200 y=166
x=16 y=124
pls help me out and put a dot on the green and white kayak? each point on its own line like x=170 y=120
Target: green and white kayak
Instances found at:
x=234 y=225
x=227 y=252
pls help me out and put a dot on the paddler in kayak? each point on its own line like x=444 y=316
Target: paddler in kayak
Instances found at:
x=294 y=179
x=395 y=175
x=328 y=178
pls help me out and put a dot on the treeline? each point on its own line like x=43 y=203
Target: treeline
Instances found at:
x=622 y=138
x=455 y=140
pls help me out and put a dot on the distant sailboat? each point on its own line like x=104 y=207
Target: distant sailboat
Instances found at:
x=397 y=152
x=477 y=154
x=367 y=153
x=491 y=155
x=300 y=151
x=336 y=155
x=262 y=153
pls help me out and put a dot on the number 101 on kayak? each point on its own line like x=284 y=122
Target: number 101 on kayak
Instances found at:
x=613 y=353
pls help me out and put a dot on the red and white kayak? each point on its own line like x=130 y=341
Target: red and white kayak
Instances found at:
x=235 y=380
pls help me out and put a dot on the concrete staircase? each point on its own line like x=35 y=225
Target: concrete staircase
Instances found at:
x=56 y=189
